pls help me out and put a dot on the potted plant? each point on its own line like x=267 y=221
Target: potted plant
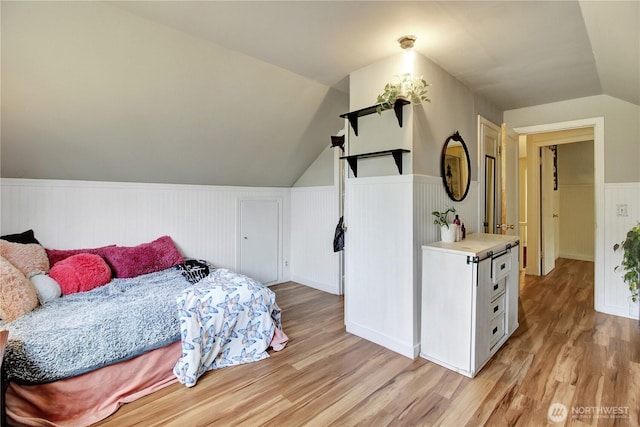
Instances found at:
x=408 y=87
x=447 y=232
x=630 y=263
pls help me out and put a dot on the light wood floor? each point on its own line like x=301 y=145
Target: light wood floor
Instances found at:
x=563 y=352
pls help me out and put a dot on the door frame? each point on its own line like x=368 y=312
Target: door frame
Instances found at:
x=597 y=123
x=481 y=173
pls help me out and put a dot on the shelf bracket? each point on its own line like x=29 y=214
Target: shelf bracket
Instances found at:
x=397 y=157
x=353 y=164
x=397 y=108
x=353 y=121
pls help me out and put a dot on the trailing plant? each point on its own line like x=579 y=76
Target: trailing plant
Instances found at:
x=407 y=86
x=441 y=217
x=630 y=260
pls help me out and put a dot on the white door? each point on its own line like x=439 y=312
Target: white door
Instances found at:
x=547 y=222
x=509 y=181
x=259 y=239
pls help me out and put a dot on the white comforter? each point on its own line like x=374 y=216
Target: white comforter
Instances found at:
x=226 y=319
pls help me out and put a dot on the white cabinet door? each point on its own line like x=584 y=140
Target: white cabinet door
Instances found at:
x=482 y=335
x=448 y=299
x=259 y=239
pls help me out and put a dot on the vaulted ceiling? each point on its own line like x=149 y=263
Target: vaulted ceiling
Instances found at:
x=515 y=53
x=248 y=92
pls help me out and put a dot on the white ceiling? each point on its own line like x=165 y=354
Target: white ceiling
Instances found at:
x=516 y=54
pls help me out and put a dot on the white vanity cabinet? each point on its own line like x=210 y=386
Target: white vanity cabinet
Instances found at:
x=469 y=300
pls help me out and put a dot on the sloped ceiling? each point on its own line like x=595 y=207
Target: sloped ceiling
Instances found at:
x=248 y=93
x=93 y=92
x=515 y=53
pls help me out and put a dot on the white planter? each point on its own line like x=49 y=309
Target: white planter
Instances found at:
x=448 y=234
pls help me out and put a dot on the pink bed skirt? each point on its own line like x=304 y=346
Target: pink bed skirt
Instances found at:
x=91 y=397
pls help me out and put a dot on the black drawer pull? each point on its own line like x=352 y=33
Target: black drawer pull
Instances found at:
x=496 y=308
x=503 y=266
x=496 y=286
x=495 y=330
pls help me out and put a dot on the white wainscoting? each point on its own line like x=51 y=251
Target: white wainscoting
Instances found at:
x=615 y=294
x=388 y=220
x=314 y=216
x=577 y=221
x=379 y=284
x=202 y=220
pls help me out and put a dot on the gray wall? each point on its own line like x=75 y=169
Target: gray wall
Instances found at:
x=453 y=107
x=575 y=163
x=92 y=92
x=621 y=129
x=321 y=171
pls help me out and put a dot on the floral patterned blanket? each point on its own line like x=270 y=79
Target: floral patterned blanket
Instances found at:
x=226 y=319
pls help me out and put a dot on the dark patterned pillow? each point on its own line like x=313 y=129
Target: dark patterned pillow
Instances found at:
x=194 y=270
x=24 y=237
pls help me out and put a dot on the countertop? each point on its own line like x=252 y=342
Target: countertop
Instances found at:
x=476 y=244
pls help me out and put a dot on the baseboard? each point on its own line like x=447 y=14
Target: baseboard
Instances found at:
x=619 y=311
x=324 y=287
x=578 y=257
x=408 y=350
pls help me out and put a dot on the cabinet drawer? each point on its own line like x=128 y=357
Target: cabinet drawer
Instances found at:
x=497 y=289
x=496 y=308
x=500 y=267
x=496 y=330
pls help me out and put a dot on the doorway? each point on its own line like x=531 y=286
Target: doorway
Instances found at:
x=596 y=125
x=558 y=198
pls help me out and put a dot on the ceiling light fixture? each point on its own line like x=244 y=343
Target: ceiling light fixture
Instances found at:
x=406 y=42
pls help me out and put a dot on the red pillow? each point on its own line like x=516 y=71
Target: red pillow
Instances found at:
x=56 y=255
x=146 y=258
x=81 y=273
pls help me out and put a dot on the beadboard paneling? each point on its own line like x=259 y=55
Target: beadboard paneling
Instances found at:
x=577 y=221
x=430 y=196
x=202 y=220
x=615 y=294
x=379 y=283
x=314 y=216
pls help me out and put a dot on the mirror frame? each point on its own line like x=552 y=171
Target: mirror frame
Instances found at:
x=455 y=137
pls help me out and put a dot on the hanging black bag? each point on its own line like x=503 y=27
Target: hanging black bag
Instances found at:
x=338 y=239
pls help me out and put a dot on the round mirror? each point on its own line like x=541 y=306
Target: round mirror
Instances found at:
x=455 y=167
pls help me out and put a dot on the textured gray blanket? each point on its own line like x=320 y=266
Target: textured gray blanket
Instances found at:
x=85 y=331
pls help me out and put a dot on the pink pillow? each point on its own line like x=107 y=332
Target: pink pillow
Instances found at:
x=81 y=273
x=146 y=258
x=56 y=255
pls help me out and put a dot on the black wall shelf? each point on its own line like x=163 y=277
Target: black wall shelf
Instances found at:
x=352 y=116
x=396 y=153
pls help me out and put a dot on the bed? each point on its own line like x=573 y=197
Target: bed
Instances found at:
x=157 y=319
